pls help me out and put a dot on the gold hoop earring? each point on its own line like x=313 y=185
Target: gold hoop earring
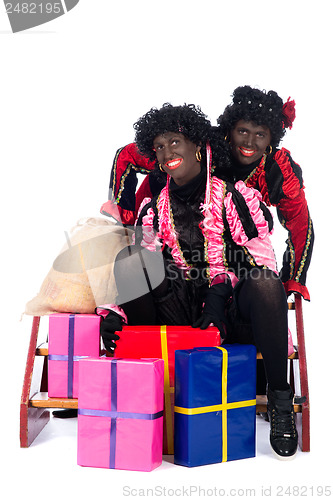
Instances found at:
x=198 y=155
x=160 y=167
x=270 y=150
x=226 y=138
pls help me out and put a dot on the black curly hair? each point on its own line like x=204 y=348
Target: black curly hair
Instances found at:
x=188 y=120
x=258 y=106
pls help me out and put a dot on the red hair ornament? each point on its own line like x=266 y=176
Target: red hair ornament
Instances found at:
x=288 y=114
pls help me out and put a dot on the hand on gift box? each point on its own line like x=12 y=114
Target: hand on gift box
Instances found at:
x=111 y=324
x=214 y=308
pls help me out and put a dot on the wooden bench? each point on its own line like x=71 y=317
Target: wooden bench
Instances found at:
x=35 y=403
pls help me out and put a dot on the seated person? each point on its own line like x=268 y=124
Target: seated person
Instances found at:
x=211 y=239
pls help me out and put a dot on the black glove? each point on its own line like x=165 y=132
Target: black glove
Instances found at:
x=214 y=308
x=112 y=323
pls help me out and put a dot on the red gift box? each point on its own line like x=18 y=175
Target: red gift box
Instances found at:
x=162 y=342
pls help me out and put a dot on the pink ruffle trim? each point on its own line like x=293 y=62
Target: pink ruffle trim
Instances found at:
x=142 y=204
x=149 y=239
x=166 y=232
x=253 y=199
x=263 y=252
x=291 y=348
x=213 y=227
x=106 y=308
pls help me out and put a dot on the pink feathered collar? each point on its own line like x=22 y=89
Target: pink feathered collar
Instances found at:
x=212 y=226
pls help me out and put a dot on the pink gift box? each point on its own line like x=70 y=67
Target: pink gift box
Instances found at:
x=71 y=337
x=120 y=413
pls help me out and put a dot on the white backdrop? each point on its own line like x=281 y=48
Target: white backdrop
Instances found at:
x=70 y=93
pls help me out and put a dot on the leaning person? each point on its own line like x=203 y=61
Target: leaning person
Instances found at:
x=253 y=126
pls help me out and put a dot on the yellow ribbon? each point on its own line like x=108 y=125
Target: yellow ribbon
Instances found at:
x=224 y=407
x=211 y=409
x=167 y=391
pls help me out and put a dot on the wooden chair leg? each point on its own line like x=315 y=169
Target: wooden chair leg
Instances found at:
x=32 y=420
x=292 y=374
x=305 y=415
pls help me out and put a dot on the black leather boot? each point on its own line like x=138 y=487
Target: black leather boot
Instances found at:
x=283 y=436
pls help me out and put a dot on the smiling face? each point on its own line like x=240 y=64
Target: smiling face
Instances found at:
x=176 y=154
x=249 y=141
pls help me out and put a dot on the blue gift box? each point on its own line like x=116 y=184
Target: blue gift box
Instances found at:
x=215 y=404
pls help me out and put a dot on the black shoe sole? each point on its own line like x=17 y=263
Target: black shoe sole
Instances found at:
x=68 y=413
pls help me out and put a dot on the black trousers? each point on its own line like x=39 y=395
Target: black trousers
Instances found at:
x=152 y=291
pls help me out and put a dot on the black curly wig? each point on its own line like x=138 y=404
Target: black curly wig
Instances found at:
x=188 y=120
x=258 y=106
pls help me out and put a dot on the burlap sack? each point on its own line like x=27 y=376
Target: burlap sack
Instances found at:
x=81 y=277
